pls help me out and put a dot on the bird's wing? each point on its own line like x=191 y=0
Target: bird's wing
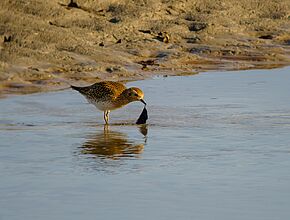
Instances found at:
x=106 y=90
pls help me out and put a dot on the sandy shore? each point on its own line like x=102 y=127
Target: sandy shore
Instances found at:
x=47 y=44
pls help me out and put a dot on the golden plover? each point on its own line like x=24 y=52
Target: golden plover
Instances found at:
x=108 y=95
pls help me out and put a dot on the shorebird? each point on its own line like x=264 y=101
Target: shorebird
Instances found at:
x=108 y=95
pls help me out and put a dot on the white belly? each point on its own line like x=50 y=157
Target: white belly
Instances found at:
x=103 y=106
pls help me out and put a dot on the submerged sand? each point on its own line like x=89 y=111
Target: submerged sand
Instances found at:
x=45 y=45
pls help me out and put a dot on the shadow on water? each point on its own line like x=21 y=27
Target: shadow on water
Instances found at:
x=112 y=145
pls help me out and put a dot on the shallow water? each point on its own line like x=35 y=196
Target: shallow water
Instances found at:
x=217 y=146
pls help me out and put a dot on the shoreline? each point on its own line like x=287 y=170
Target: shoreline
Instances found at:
x=28 y=90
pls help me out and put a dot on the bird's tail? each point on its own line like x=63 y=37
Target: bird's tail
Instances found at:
x=75 y=87
x=79 y=89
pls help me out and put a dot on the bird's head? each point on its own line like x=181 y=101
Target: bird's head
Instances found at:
x=134 y=94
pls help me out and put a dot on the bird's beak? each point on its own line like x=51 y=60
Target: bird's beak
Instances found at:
x=141 y=100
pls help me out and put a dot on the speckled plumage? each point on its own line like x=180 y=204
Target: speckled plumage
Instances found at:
x=109 y=95
x=106 y=91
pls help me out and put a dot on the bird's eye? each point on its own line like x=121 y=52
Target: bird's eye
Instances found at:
x=136 y=95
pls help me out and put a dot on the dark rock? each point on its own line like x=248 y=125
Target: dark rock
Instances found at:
x=200 y=50
x=73 y=4
x=115 y=20
x=163 y=37
x=147 y=62
x=110 y=69
x=197 y=26
x=266 y=37
x=145 y=31
x=192 y=40
x=162 y=55
x=7 y=39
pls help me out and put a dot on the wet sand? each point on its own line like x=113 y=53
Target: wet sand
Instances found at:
x=45 y=45
x=222 y=150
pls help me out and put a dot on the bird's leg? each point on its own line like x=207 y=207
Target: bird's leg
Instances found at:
x=106 y=116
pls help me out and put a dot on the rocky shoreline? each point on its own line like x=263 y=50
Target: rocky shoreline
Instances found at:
x=49 y=45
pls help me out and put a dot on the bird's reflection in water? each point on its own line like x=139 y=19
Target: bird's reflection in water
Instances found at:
x=113 y=145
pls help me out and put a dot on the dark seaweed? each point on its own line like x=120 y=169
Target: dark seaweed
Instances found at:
x=143 y=117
